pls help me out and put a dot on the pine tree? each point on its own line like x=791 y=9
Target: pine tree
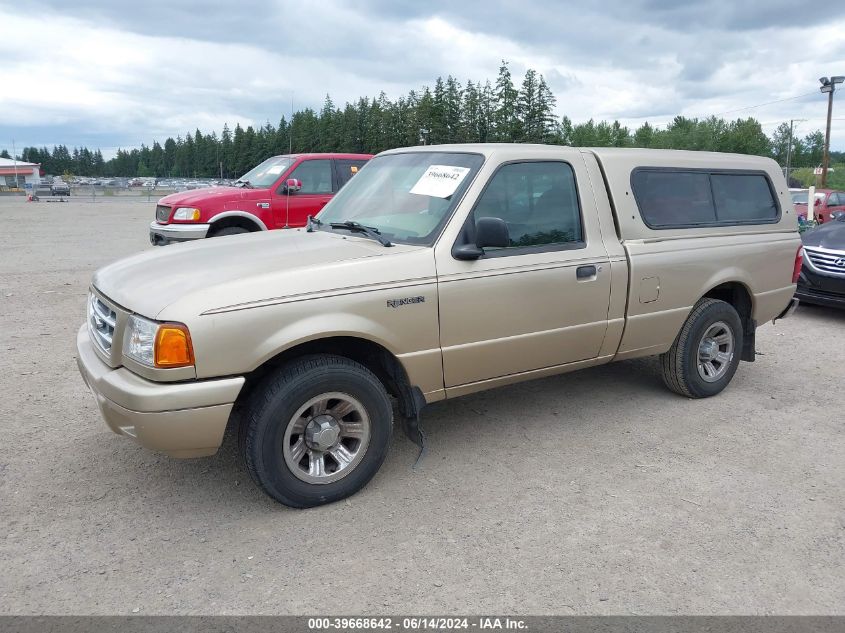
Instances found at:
x=438 y=129
x=526 y=110
x=452 y=110
x=487 y=114
x=506 y=106
x=545 y=117
x=471 y=114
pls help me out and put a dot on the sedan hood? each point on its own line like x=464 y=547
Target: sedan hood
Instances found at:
x=830 y=235
x=234 y=270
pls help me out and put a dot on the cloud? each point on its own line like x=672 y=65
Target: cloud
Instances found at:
x=124 y=73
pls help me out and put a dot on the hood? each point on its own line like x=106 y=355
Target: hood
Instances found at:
x=196 y=197
x=829 y=235
x=220 y=272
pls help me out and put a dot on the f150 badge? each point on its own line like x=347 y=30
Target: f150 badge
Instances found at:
x=395 y=303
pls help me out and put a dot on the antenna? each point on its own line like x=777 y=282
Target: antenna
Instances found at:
x=290 y=151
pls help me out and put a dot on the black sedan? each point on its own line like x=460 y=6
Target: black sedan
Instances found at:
x=822 y=278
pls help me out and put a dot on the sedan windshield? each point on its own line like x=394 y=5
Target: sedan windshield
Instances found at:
x=268 y=172
x=405 y=197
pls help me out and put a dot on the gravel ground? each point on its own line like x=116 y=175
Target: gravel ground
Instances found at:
x=595 y=492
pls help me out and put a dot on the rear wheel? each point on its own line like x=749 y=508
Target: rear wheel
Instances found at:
x=705 y=355
x=316 y=431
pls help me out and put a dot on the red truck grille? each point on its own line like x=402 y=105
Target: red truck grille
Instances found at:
x=162 y=213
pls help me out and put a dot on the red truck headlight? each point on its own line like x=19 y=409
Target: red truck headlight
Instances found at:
x=189 y=214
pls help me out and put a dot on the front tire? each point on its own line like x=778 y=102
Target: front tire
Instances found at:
x=705 y=355
x=231 y=230
x=316 y=431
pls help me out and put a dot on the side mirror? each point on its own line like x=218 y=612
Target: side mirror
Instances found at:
x=488 y=232
x=818 y=202
x=292 y=185
x=491 y=232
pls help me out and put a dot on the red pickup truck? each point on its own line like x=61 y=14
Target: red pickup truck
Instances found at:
x=828 y=202
x=279 y=193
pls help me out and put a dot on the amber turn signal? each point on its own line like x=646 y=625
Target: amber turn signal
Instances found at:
x=173 y=346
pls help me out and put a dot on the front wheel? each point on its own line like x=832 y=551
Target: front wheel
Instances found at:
x=231 y=230
x=705 y=355
x=316 y=431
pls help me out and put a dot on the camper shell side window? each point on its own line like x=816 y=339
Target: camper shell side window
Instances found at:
x=671 y=198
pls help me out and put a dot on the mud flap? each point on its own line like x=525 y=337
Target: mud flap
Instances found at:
x=411 y=423
x=749 y=338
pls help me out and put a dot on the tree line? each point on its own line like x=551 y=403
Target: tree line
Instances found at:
x=449 y=113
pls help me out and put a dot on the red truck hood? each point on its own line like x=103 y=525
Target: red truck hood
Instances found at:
x=217 y=195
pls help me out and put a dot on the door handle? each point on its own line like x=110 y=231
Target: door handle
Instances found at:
x=585 y=272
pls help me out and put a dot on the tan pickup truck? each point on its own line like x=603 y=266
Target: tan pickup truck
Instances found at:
x=437 y=272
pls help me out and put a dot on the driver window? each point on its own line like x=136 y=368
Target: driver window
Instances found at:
x=315 y=175
x=537 y=200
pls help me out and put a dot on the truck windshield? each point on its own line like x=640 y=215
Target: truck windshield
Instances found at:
x=265 y=174
x=405 y=197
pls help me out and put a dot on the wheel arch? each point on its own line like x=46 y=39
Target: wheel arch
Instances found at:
x=739 y=295
x=240 y=219
x=369 y=353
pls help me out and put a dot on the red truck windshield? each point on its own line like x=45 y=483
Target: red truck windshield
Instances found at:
x=266 y=173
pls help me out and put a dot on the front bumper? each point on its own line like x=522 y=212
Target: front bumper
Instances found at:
x=827 y=290
x=809 y=295
x=184 y=419
x=163 y=234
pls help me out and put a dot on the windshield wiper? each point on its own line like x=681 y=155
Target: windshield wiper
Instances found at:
x=357 y=227
x=245 y=183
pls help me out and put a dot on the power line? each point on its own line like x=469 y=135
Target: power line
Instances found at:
x=760 y=105
x=751 y=107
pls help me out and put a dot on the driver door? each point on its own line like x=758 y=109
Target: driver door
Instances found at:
x=542 y=301
x=318 y=186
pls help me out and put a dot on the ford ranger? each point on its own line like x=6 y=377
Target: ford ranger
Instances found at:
x=436 y=272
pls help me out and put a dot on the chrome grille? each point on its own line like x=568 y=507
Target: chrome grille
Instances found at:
x=162 y=213
x=830 y=262
x=101 y=322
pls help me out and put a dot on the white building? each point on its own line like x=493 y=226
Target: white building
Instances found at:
x=28 y=175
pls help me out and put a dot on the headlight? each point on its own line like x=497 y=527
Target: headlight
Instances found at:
x=161 y=345
x=187 y=213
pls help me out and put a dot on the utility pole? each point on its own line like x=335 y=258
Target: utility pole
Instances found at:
x=789 y=147
x=15 y=159
x=828 y=86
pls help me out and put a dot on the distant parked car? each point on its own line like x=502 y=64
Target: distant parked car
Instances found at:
x=827 y=201
x=822 y=278
x=59 y=188
x=279 y=193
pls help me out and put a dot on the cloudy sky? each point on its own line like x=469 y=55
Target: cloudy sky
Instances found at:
x=109 y=74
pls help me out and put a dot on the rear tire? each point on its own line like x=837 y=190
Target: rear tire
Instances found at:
x=705 y=355
x=230 y=230
x=316 y=431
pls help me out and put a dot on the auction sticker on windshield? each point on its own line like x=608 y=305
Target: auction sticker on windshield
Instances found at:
x=440 y=181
